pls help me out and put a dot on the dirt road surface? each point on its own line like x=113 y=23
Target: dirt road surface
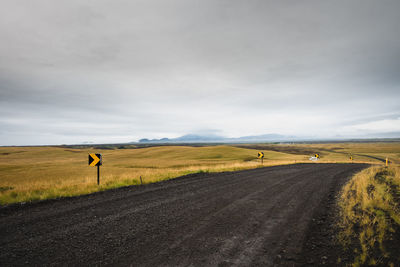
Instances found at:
x=264 y=217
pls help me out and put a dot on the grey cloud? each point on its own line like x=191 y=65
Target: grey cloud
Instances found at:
x=132 y=69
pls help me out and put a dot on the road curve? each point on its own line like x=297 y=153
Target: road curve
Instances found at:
x=252 y=217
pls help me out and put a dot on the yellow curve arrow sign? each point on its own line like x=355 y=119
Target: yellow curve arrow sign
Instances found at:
x=94 y=160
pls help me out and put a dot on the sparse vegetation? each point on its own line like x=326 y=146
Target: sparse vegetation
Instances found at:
x=37 y=173
x=370 y=217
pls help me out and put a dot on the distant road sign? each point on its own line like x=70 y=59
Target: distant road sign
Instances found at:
x=317 y=156
x=95 y=160
x=260 y=155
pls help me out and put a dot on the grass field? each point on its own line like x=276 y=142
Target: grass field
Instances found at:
x=370 y=217
x=36 y=173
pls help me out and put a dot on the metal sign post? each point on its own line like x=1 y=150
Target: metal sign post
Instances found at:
x=261 y=156
x=98 y=174
x=96 y=160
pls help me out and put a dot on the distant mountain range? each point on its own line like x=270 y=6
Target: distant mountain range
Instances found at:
x=194 y=138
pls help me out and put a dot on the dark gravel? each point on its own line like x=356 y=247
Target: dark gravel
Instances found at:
x=264 y=217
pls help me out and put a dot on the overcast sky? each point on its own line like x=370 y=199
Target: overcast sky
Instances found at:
x=117 y=71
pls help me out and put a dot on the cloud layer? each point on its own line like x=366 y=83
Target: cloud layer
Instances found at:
x=117 y=71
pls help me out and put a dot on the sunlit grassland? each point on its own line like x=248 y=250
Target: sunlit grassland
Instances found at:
x=36 y=173
x=370 y=216
x=361 y=152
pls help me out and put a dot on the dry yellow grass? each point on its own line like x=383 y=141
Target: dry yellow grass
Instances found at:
x=35 y=173
x=370 y=215
x=340 y=152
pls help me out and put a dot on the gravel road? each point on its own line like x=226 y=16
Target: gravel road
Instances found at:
x=247 y=218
